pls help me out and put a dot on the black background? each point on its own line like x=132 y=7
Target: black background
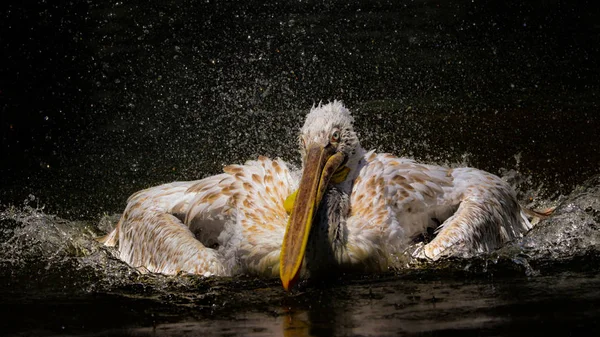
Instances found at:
x=99 y=99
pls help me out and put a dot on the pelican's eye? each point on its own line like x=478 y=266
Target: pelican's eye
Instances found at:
x=335 y=137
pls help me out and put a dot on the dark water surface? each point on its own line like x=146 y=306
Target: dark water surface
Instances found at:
x=99 y=99
x=562 y=304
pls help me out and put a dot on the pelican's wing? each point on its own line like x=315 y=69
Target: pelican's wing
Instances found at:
x=487 y=217
x=224 y=224
x=395 y=199
x=152 y=238
x=244 y=207
x=392 y=200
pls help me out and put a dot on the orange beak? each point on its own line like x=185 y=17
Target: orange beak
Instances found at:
x=320 y=165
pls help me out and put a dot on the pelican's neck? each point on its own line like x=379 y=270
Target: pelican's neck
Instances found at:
x=355 y=163
x=328 y=234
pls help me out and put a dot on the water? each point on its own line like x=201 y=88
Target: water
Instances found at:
x=100 y=99
x=58 y=280
x=387 y=308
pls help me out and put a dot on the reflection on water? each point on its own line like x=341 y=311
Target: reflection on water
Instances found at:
x=565 y=303
x=410 y=306
x=547 y=305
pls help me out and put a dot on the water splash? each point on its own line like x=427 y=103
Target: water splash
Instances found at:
x=37 y=248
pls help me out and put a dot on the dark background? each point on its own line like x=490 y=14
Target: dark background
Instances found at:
x=100 y=98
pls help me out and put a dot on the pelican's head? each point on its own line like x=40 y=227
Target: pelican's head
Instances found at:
x=330 y=155
x=329 y=126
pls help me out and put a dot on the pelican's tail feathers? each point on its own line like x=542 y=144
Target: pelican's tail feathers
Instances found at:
x=110 y=239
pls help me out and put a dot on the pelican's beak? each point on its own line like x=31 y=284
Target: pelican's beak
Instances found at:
x=320 y=165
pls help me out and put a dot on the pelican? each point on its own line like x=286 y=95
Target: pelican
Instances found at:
x=347 y=209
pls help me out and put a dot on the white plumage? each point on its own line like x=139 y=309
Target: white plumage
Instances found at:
x=235 y=222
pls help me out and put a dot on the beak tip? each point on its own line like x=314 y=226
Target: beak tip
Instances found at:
x=286 y=286
x=289 y=281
